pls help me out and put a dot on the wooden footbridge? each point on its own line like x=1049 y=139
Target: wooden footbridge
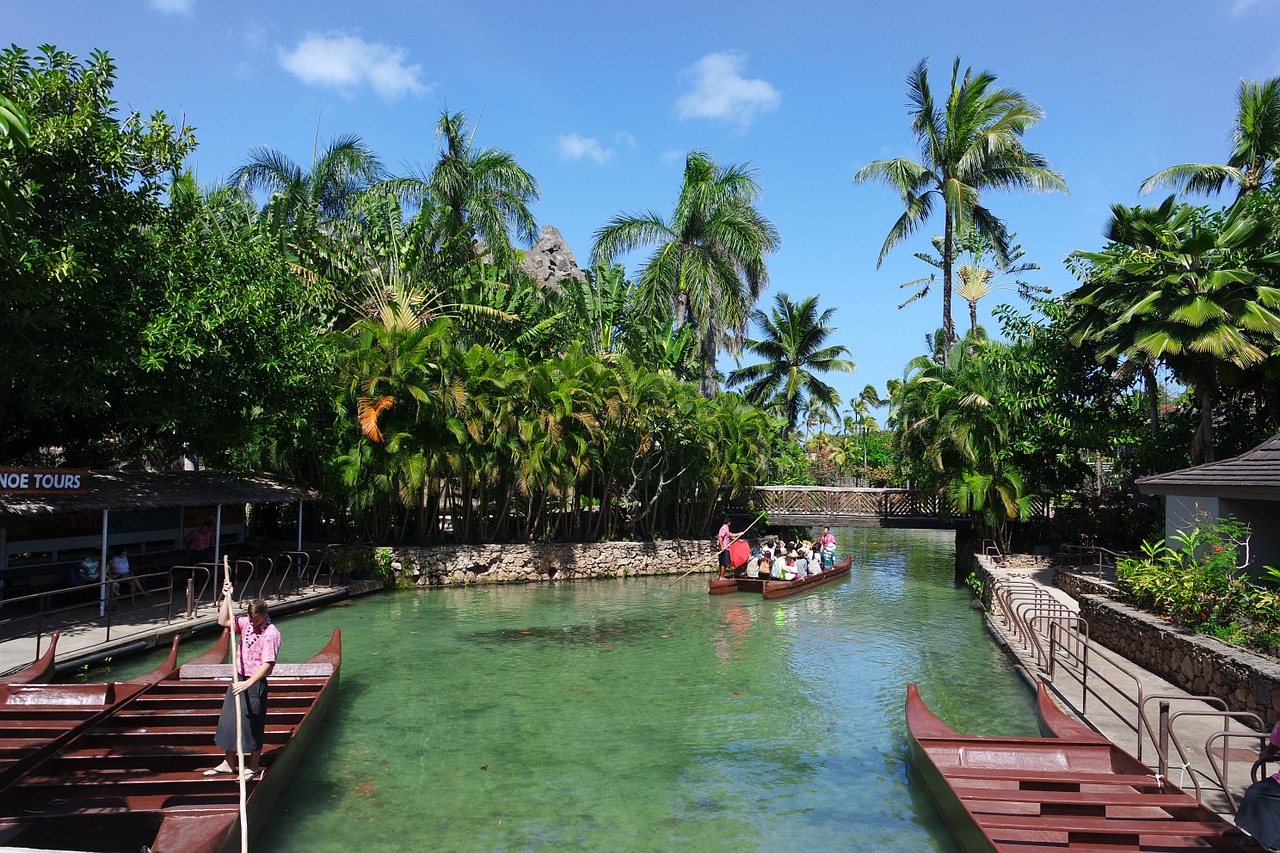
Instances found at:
x=853 y=507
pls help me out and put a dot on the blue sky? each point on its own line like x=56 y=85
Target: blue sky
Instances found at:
x=600 y=101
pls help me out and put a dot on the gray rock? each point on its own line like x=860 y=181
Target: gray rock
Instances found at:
x=550 y=261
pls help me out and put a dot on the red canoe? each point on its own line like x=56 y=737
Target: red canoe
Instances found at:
x=1074 y=792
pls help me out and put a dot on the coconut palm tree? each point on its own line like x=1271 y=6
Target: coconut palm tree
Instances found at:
x=1256 y=151
x=793 y=349
x=708 y=266
x=970 y=143
x=302 y=198
x=472 y=194
x=1185 y=288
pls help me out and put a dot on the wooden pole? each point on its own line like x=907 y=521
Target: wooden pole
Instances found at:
x=721 y=551
x=239 y=701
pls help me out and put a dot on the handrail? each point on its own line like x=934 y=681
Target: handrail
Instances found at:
x=1222 y=773
x=1086 y=667
x=44 y=612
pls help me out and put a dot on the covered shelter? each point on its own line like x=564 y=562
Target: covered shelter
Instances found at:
x=52 y=519
x=1246 y=487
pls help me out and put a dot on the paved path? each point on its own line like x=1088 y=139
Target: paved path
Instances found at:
x=1106 y=693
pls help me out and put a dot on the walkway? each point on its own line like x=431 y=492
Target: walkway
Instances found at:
x=87 y=637
x=1106 y=690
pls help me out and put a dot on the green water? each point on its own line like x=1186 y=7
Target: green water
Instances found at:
x=629 y=716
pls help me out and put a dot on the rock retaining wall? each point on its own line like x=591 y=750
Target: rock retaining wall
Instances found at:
x=541 y=562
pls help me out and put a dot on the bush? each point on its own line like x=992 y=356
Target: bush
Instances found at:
x=1195 y=580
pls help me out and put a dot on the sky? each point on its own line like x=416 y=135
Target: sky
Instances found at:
x=601 y=102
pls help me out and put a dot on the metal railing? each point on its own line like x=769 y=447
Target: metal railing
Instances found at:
x=188 y=590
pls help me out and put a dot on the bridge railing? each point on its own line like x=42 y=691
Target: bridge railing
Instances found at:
x=836 y=501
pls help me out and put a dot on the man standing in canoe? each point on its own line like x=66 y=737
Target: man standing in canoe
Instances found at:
x=723 y=540
x=254 y=659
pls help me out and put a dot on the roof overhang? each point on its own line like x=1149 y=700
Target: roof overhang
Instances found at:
x=119 y=491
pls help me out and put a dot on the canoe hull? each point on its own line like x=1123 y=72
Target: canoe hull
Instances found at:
x=1053 y=793
x=771 y=588
x=146 y=757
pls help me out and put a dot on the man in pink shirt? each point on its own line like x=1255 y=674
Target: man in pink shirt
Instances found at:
x=723 y=540
x=254 y=659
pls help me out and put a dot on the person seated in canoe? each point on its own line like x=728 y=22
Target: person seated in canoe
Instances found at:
x=1259 y=813
x=803 y=553
x=752 y=569
x=789 y=570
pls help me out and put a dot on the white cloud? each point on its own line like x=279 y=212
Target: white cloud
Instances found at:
x=1239 y=7
x=574 y=147
x=173 y=7
x=721 y=92
x=624 y=138
x=347 y=63
x=673 y=156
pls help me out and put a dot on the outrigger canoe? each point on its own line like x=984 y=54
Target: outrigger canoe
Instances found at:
x=1077 y=791
x=774 y=588
x=132 y=779
x=40 y=672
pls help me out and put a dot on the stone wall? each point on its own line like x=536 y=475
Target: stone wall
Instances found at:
x=543 y=561
x=1197 y=663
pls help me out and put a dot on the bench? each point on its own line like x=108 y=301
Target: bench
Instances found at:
x=281 y=670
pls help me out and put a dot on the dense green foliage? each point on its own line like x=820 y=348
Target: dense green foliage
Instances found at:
x=1196 y=581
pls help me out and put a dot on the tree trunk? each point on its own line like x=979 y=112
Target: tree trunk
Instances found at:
x=948 y=249
x=1153 y=397
x=1206 y=393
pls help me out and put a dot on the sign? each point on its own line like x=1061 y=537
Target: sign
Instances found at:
x=43 y=481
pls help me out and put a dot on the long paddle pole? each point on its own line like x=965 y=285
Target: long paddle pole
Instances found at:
x=239 y=699
x=721 y=551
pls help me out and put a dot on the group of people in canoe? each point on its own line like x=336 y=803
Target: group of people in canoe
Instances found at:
x=776 y=558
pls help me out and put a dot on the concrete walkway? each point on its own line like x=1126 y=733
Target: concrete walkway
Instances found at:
x=87 y=637
x=1104 y=689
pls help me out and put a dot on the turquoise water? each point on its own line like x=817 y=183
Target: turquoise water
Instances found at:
x=633 y=716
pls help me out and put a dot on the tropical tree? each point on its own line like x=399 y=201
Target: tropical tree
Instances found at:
x=14 y=136
x=970 y=143
x=472 y=194
x=794 y=350
x=956 y=417
x=301 y=199
x=1256 y=151
x=1184 y=287
x=708 y=267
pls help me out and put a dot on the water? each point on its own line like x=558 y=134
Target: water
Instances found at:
x=630 y=716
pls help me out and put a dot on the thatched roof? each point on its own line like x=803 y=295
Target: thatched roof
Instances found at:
x=126 y=490
x=1253 y=475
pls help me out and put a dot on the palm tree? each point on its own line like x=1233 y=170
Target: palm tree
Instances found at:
x=708 y=265
x=1253 y=160
x=793 y=349
x=984 y=276
x=1185 y=288
x=972 y=143
x=472 y=194
x=303 y=198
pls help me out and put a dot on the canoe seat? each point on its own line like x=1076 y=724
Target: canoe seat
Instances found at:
x=282 y=670
x=1104 y=826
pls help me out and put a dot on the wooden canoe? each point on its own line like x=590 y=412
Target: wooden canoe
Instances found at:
x=135 y=776
x=40 y=672
x=773 y=588
x=1075 y=792
x=37 y=720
